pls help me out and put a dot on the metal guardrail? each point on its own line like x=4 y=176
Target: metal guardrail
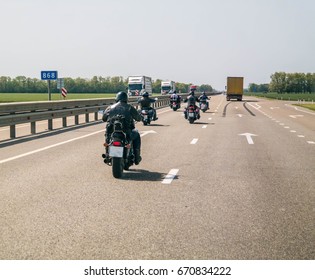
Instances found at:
x=12 y=114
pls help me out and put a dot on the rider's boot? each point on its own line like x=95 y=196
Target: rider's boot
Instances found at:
x=137 y=156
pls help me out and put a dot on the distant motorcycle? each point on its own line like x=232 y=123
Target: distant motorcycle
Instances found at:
x=118 y=152
x=146 y=115
x=174 y=105
x=204 y=105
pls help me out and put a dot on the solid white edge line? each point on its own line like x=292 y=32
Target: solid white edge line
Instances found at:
x=51 y=146
x=54 y=145
x=170 y=176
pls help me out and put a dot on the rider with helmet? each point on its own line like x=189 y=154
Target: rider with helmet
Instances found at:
x=204 y=97
x=191 y=100
x=175 y=97
x=130 y=113
x=145 y=103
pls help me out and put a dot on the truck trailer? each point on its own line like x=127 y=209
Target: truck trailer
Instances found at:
x=137 y=85
x=234 y=89
x=167 y=87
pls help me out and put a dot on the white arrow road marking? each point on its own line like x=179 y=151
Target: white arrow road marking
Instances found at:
x=295 y=116
x=143 y=133
x=310 y=142
x=297 y=109
x=249 y=137
x=170 y=176
x=301 y=136
x=194 y=141
x=209 y=118
x=240 y=115
x=204 y=126
x=256 y=106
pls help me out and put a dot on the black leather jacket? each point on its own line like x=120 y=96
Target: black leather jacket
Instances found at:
x=122 y=108
x=191 y=100
x=145 y=102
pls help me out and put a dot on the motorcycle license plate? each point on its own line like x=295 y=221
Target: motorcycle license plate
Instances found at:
x=116 y=151
x=191 y=115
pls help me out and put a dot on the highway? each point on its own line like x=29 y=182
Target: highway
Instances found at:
x=237 y=184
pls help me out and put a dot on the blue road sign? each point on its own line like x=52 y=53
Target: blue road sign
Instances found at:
x=49 y=75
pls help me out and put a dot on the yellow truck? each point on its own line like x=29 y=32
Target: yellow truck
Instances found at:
x=234 y=88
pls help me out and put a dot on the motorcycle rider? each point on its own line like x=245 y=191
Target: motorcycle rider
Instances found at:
x=145 y=103
x=175 y=97
x=204 y=98
x=121 y=107
x=191 y=100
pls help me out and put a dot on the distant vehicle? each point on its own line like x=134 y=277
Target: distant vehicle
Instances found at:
x=167 y=87
x=234 y=88
x=137 y=85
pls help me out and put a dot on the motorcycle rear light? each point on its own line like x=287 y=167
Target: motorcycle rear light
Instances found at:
x=116 y=143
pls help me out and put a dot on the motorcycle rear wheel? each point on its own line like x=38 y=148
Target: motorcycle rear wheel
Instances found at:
x=117 y=167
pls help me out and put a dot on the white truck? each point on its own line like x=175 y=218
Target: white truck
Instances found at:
x=137 y=85
x=167 y=86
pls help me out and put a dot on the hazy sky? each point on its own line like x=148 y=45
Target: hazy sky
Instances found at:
x=189 y=41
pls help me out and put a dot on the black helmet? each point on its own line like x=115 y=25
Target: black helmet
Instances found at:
x=121 y=96
x=145 y=94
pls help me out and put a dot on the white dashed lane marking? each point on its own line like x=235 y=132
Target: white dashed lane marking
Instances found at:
x=194 y=141
x=170 y=176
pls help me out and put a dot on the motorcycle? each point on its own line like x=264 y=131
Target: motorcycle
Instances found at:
x=118 y=152
x=174 y=105
x=204 y=105
x=192 y=114
x=146 y=115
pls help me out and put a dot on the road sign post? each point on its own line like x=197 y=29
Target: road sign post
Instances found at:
x=48 y=76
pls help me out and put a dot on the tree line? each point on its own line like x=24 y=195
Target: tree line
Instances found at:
x=97 y=84
x=282 y=82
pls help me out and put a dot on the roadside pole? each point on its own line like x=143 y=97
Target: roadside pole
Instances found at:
x=49 y=92
x=48 y=76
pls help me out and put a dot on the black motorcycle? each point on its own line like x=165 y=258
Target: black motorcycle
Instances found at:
x=174 y=105
x=191 y=114
x=118 y=152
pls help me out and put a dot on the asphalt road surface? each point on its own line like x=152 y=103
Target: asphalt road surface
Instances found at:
x=237 y=184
